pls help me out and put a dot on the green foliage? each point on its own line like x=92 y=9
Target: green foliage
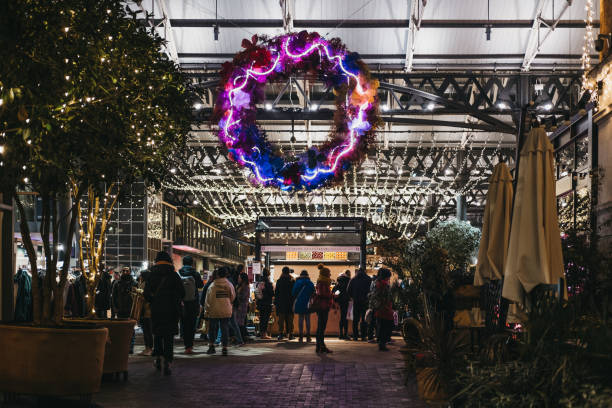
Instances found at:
x=87 y=98
x=440 y=352
x=459 y=239
x=563 y=359
x=95 y=97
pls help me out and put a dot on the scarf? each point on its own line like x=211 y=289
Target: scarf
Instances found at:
x=324 y=279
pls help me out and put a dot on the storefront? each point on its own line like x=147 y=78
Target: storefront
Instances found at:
x=301 y=243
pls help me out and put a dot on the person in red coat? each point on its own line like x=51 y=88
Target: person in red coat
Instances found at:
x=322 y=303
x=384 y=308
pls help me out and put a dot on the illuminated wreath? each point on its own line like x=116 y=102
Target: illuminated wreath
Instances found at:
x=242 y=88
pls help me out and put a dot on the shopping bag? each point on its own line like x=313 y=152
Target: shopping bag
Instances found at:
x=349 y=312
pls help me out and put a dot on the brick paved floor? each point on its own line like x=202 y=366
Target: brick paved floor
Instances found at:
x=264 y=374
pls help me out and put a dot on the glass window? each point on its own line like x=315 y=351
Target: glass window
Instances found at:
x=582 y=152
x=124 y=240
x=565 y=160
x=124 y=228
x=137 y=240
x=125 y=214
x=137 y=228
x=137 y=215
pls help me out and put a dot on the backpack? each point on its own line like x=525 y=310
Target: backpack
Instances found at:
x=190 y=288
x=375 y=299
x=259 y=290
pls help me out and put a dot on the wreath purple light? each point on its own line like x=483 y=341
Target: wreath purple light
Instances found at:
x=241 y=89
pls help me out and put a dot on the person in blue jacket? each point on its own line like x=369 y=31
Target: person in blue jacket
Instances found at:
x=302 y=291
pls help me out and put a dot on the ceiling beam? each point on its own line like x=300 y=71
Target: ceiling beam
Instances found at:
x=168 y=33
x=500 y=125
x=414 y=57
x=372 y=23
x=535 y=41
x=288 y=9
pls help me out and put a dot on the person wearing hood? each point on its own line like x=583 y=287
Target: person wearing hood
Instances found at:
x=322 y=303
x=241 y=305
x=283 y=300
x=358 y=290
x=103 y=295
x=302 y=291
x=264 y=293
x=342 y=298
x=192 y=281
x=164 y=291
x=23 y=305
x=383 y=308
x=218 y=309
x=122 y=294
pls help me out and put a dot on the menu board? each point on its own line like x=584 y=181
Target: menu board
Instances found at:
x=316 y=256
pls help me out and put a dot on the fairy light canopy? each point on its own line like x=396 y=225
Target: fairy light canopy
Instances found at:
x=428 y=152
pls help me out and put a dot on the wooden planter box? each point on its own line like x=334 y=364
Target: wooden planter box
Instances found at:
x=120 y=332
x=51 y=361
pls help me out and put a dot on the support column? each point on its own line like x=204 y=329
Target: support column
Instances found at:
x=362 y=253
x=463 y=178
x=7 y=257
x=461 y=208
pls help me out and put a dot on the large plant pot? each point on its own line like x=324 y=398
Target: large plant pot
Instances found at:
x=51 y=361
x=120 y=332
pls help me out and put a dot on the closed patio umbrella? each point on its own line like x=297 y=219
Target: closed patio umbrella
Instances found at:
x=496 y=227
x=534 y=253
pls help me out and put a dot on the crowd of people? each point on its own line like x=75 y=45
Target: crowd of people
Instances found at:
x=180 y=302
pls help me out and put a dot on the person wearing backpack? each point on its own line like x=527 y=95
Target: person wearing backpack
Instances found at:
x=342 y=298
x=264 y=293
x=302 y=291
x=192 y=281
x=382 y=306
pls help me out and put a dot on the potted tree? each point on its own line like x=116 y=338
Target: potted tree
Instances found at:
x=86 y=99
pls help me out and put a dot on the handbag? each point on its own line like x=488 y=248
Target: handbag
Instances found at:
x=349 y=311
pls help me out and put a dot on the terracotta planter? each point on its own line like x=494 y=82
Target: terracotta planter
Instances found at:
x=51 y=361
x=120 y=332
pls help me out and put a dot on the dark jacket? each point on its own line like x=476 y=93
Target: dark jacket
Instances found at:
x=268 y=293
x=342 y=287
x=103 y=292
x=122 y=296
x=188 y=270
x=204 y=292
x=302 y=291
x=359 y=288
x=164 y=290
x=23 y=305
x=283 y=297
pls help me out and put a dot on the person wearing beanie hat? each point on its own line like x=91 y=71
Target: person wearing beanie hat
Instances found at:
x=302 y=291
x=192 y=281
x=382 y=306
x=322 y=303
x=164 y=291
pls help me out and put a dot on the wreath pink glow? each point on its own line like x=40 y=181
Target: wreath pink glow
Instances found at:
x=242 y=88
